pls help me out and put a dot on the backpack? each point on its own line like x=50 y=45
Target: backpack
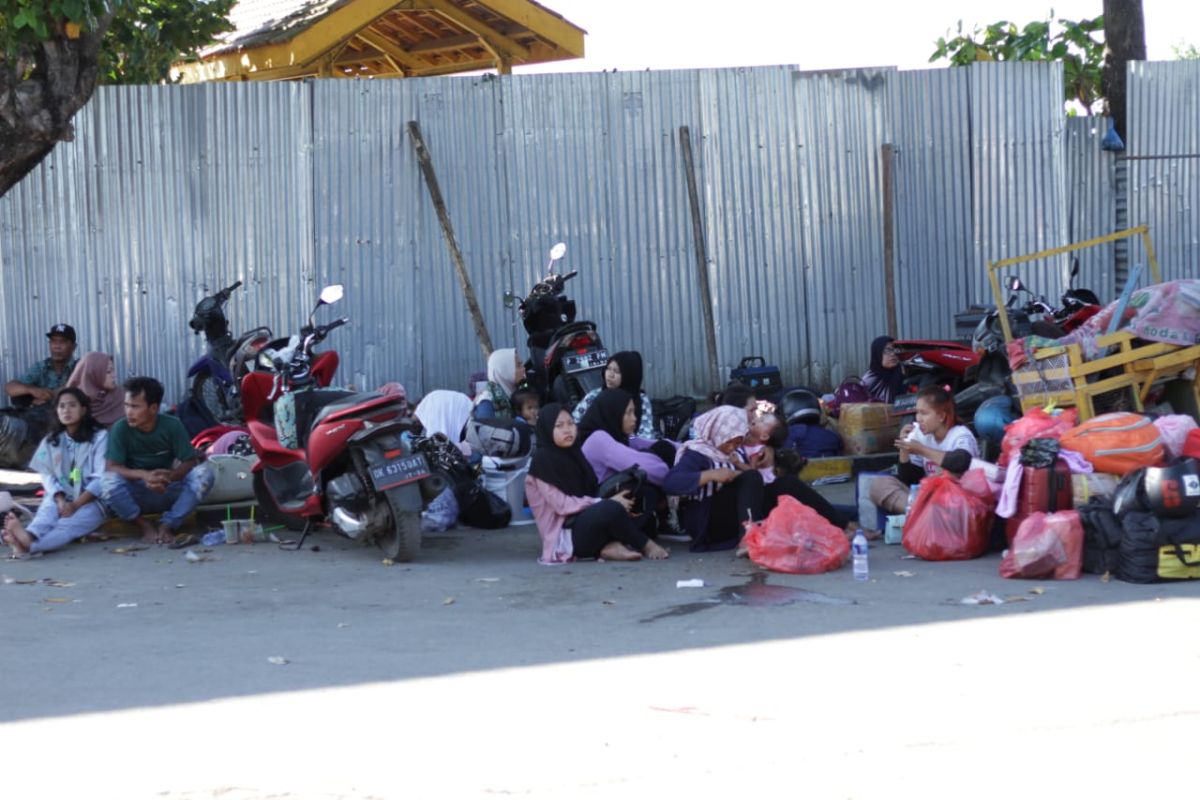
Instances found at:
x=1102 y=534
x=673 y=415
x=1116 y=443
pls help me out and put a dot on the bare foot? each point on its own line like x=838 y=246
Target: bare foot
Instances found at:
x=615 y=551
x=165 y=534
x=17 y=550
x=17 y=534
x=149 y=532
x=655 y=551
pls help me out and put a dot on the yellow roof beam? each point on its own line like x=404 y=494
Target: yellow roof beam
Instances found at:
x=494 y=39
x=389 y=48
x=563 y=34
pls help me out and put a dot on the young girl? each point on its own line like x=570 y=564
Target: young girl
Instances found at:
x=624 y=371
x=936 y=442
x=70 y=456
x=96 y=375
x=605 y=435
x=561 y=488
x=504 y=372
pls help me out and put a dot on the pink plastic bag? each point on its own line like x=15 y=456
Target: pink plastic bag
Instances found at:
x=1046 y=546
x=1174 y=430
x=1036 y=424
x=947 y=522
x=794 y=538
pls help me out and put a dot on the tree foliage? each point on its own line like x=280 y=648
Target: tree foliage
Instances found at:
x=1186 y=52
x=1078 y=44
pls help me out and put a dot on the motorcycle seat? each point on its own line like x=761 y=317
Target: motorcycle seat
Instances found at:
x=346 y=401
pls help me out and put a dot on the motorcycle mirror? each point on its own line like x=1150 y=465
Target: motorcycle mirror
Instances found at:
x=558 y=251
x=1015 y=285
x=331 y=294
x=510 y=300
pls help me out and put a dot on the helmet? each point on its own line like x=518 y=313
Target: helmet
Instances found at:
x=850 y=390
x=1173 y=491
x=1128 y=494
x=800 y=405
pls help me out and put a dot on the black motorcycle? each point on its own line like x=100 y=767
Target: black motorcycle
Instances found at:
x=566 y=358
x=217 y=375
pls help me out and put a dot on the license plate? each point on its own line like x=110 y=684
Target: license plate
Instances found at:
x=399 y=471
x=573 y=364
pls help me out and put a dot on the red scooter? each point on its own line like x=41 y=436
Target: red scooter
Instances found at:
x=333 y=455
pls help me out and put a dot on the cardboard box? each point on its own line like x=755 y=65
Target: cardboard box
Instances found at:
x=867 y=428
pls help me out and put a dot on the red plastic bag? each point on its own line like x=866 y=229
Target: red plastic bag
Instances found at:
x=947 y=522
x=794 y=538
x=1046 y=546
x=1036 y=424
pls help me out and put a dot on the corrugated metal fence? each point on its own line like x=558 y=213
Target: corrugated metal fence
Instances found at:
x=170 y=192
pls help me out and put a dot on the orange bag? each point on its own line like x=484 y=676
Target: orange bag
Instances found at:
x=1116 y=443
x=1046 y=546
x=947 y=522
x=1036 y=424
x=794 y=538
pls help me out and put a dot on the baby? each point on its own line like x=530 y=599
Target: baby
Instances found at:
x=526 y=404
x=767 y=433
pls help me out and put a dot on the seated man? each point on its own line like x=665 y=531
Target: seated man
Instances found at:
x=22 y=427
x=152 y=467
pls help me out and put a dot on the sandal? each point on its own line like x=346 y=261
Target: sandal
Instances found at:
x=183 y=540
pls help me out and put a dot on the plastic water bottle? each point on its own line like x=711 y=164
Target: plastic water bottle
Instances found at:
x=858 y=550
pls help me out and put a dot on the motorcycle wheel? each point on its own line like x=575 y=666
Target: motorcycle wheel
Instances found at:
x=212 y=397
x=269 y=512
x=400 y=540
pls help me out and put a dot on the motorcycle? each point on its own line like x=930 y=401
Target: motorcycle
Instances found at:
x=566 y=358
x=217 y=375
x=334 y=455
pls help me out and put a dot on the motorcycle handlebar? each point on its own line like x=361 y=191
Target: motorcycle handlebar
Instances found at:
x=570 y=275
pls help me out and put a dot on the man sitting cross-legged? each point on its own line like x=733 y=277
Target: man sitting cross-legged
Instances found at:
x=152 y=467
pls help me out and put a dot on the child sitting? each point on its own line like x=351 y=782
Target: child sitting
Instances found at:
x=526 y=403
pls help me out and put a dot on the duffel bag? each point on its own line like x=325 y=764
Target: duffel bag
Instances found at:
x=1116 y=443
x=1156 y=550
x=1102 y=533
x=499 y=438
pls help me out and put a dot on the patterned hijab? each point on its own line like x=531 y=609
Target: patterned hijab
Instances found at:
x=713 y=429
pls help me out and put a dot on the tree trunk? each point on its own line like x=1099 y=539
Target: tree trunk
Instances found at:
x=1125 y=40
x=42 y=85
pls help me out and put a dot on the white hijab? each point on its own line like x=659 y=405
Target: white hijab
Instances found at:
x=502 y=369
x=444 y=411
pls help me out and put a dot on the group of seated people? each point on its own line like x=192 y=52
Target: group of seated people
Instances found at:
x=107 y=452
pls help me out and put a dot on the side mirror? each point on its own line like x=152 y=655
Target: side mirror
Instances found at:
x=558 y=251
x=1015 y=285
x=331 y=294
x=510 y=300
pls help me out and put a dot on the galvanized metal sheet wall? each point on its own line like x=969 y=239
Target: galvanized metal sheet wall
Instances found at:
x=1017 y=165
x=1163 y=141
x=166 y=193
x=1091 y=192
x=932 y=195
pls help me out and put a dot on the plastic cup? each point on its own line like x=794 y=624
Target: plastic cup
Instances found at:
x=232 y=534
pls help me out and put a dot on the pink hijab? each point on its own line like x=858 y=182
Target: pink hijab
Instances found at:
x=716 y=427
x=89 y=376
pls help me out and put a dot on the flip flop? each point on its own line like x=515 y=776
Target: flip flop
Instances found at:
x=183 y=540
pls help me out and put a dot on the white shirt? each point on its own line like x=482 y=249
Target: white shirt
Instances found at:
x=957 y=438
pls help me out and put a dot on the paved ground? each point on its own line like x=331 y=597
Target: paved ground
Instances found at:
x=477 y=672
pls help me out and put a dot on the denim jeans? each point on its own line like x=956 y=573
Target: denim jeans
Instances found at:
x=50 y=531
x=991 y=417
x=131 y=499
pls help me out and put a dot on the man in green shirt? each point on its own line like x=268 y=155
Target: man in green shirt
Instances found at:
x=152 y=466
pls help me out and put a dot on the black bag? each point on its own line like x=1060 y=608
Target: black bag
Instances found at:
x=629 y=480
x=480 y=508
x=1155 y=550
x=1102 y=534
x=755 y=373
x=673 y=416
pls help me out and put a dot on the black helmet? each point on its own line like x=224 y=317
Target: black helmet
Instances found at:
x=1128 y=495
x=1173 y=491
x=801 y=405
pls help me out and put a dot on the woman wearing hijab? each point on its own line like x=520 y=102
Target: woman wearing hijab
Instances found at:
x=884 y=379
x=561 y=488
x=624 y=371
x=717 y=496
x=605 y=434
x=96 y=376
x=445 y=412
x=504 y=372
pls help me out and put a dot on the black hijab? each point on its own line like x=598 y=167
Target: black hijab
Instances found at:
x=564 y=468
x=630 y=364
x=607 y=413
x=892 y=378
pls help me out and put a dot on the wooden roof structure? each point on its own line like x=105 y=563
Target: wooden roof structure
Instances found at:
x=290 y=39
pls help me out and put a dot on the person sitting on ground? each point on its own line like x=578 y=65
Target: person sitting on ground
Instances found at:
x=935 y=442
x=624 y=371
x=152 y=467
x=717 y=497
x=23 y=425
x=68 y=459
x=884 y=379
x=96 y=376
x=573 y=521
x=526 y=404
x=504 y=372
x=446 y=412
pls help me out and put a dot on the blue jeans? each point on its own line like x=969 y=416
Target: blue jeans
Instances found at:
x=50 y=531
x=991 y=417
x=131 y=499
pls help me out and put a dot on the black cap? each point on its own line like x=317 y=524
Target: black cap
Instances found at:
x=64 y=330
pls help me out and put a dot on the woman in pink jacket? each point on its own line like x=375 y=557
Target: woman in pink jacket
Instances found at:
x=561 y=488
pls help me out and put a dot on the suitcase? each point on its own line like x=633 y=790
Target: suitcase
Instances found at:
x=758 y=375
x=1042 y=489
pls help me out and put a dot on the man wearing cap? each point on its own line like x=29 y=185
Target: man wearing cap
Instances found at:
x=44 y=378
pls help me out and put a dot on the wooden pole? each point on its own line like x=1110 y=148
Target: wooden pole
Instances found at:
x=460 y=266
x=889 y=237
x=710 y=329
